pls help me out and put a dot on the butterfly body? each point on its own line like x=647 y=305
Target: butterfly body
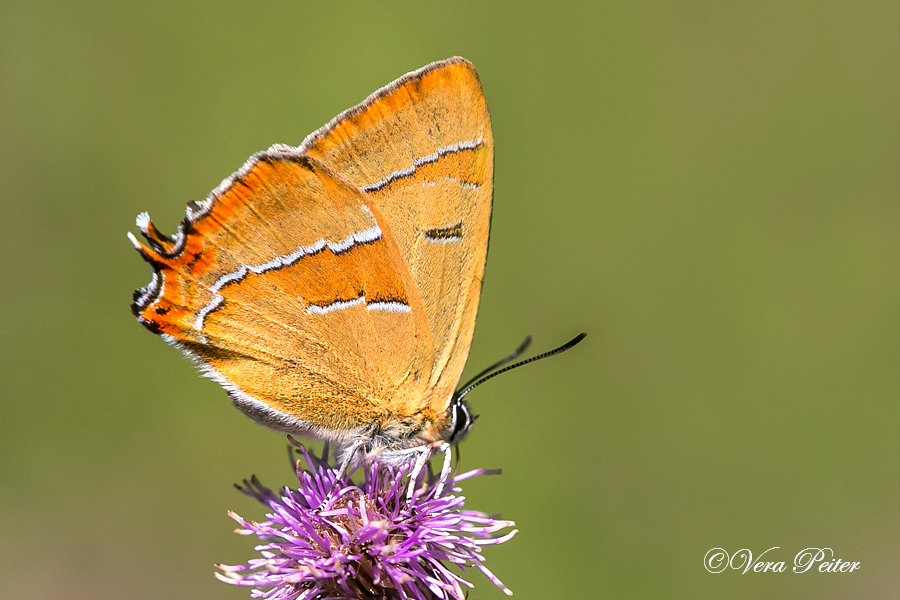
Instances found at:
x=332 y=288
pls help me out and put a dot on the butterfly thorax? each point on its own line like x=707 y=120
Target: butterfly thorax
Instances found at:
x=393 y=433
x=395 y=438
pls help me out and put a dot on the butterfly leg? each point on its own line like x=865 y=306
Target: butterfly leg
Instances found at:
x=424 y=453
x=445 y=469
x=349 y=457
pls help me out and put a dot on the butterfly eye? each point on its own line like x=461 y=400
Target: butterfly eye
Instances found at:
x=462 y=421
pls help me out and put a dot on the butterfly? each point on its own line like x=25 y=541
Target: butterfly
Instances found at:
x=332 y=288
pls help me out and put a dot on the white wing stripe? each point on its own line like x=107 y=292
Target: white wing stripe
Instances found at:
x=392 y=306
x=366 y=235
x=430 y=158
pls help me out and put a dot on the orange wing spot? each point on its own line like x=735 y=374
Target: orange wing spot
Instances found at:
x=163 y=315
x=163 y=306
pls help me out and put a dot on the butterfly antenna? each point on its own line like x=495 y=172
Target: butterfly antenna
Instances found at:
x=570 y=344
x=512 y=355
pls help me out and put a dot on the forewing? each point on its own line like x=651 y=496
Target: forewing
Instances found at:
x=422 y=149
x=289 y=287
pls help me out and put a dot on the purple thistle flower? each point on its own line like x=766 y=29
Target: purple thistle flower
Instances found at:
x=367 y=542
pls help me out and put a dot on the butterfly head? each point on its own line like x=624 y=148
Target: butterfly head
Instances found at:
x=461 y=419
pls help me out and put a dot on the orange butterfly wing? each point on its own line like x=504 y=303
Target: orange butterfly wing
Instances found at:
x=336 y=285
x=289 y=289
x=422 y=149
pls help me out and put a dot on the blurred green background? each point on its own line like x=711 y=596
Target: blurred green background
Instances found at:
x=709 y=189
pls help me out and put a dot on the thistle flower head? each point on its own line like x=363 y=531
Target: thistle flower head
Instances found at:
x=368 y=541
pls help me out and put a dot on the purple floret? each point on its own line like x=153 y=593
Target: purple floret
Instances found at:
x=367 y=541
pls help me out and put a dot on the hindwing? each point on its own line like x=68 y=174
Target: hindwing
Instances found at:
x=290 y=288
